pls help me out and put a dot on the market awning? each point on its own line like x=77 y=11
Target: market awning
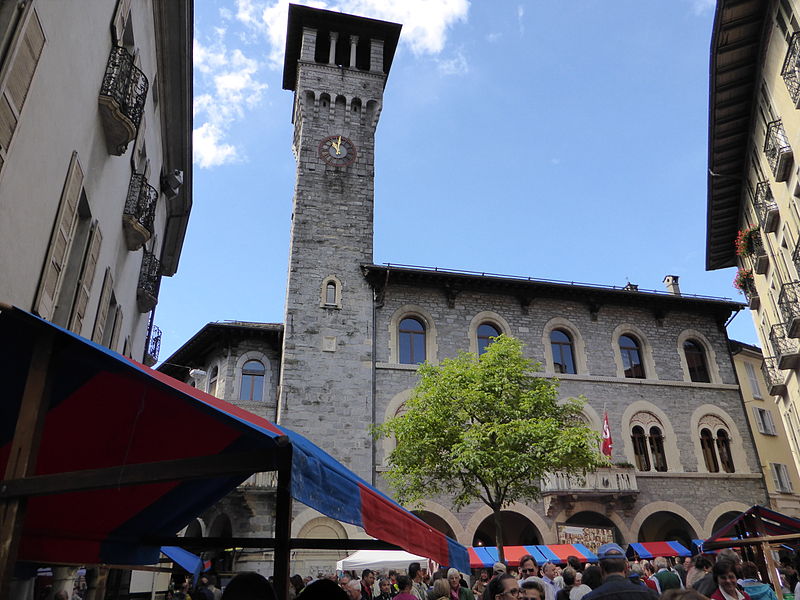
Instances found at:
x=379 y=560
x=654 y=549
x=189 y=562
x=756 y=521
x=101 y=486
x=485 y=556
x=697 y=546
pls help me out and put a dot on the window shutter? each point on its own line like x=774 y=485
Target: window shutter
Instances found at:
x=770 y=424
x=758 y=419
x=788 y=480
x=102 y=308
x=776 y=478
x=117 y=328
x=25 y=56
x=753 y=379
x=120 y=20
x=86 y=279
x=60 y=241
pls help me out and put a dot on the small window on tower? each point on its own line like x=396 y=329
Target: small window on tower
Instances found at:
x=331 y=293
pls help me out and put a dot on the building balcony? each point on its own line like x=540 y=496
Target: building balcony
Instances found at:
x=786 y=349
x=267 y=482
x=776 y=382
x=139 y=213
x=153 y=347
x=766 y=208
x=149 y=283
x=611 y=486
x=122 y=97
x=789 y=304
x=791 y=69
x=750 y=292
x=778 y=151
x=759 y=255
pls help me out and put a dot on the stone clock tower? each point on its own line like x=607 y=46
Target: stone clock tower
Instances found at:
x=337 y=66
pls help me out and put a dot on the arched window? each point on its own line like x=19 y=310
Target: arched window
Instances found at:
x=211 y=387
x=563 y=355
x=252 y=384
x=640 y=448
x=657 y=449
x=709 y=454
x=724 y=449
x=411 y=341
x=696 y=361
x=330 y=293
x=631 y=354
x=486 y=331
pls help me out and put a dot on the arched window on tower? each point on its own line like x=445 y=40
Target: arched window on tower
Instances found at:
x=724 y=449
x=631 y=354
x=330 y=293
x=411 y=340
x=486 y=331
x=251 y=388
x=709 y=453
x=696 y=361
x=562 y=349
x=640 y=448
x=647 y=438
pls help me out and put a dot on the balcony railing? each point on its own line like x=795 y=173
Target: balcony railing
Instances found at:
x=789 y=304
x=122 y=97
x=750 y=292
x=154 y=347
x=791 y=69
x=776 y=382
x=149 y=283
x=600 y=482
x=766 y=207
x=778 y=151
x=140 y=212
x=759 y=255
x=786 y=349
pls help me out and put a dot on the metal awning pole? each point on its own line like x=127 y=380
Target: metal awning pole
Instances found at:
x=283 y=525
x=24 y=451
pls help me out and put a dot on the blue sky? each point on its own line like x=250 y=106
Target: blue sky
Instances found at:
x=562 y=140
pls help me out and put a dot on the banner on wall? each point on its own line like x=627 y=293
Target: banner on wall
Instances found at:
x=591 y=537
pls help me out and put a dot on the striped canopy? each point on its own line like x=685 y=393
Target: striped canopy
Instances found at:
x=653 y=549
x=486 y=556
x=105 y=412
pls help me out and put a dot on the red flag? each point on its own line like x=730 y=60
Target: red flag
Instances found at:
x=608 y=443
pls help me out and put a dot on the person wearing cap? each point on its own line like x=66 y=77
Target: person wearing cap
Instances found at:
x=616 y=585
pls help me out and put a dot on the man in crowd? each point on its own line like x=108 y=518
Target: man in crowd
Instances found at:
x=682 y=565
x=405 y=584
x=417 y=574
x=367 y=581
x=664 y=578
x=549 y=575
x=385 y=587
x=616 y=586
x=531 y=590
x=353 y=589
x=529 y=571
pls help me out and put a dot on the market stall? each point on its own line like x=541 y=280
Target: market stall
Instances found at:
x=380 y=560
x=650 y=550
x=485 y=556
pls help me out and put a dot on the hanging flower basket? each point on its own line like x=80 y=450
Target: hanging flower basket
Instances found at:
x=743 y=280
x=747 y=240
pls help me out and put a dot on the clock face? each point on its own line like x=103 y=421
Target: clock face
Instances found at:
x=337 y=151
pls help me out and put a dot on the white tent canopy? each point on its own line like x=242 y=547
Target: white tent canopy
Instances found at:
x=380 y=560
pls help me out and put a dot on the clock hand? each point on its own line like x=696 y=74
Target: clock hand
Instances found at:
x=338 y=146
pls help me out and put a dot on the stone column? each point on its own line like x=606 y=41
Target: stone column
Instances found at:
x=332 y=54
x=353 y=45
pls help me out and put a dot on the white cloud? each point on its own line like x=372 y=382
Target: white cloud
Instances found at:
x=520 y=14
x=700 y=7
x=425 y=23
x=493 y=37
x=455 y=65
x=225 y=86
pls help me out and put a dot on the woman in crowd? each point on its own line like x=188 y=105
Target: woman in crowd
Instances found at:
x=441 y=589
x=590 y=579
x=568 y=576
x=724 y=574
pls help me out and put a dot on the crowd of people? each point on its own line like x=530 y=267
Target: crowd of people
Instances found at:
x=705 y=577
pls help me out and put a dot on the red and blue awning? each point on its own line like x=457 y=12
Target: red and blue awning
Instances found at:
x=654 y=549
x=485 y=556
x=105 y=411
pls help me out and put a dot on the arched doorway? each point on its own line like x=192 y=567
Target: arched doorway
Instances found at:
x=724 y=519
x=221 y=559
x=435 y=521
x=194 y=529
x=593 y=520
x=666 y=526
x=517 y=531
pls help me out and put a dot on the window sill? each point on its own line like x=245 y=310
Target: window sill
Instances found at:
x=632 y=381
x=396 y=366
x=697 y=475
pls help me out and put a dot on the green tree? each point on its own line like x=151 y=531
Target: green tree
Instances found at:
x=486 y=428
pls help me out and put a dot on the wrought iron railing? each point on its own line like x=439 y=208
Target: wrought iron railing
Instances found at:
x=766 y=207
x=791 y=68
x=149 y=282
x=778 y=150
x=141 y=201
x=122 y=98
x=786 y=349
x=154 y=347
x=789 y=301
x=773 y=376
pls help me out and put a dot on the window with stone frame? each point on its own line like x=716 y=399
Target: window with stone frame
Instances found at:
x=411 y=341
x=211 y=386
x=485 y=333
x=696 y=361
x=563 y=352
x=251 y=388
x=715 y=443
x=647 y=439
x=631 y=353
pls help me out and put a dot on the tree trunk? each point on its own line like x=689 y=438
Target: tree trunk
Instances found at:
x=498 y=536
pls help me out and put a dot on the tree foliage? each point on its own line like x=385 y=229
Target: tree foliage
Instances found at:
x=486 y=428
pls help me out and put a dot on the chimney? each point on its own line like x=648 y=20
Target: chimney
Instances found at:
x=631 y=287
x=671 y=283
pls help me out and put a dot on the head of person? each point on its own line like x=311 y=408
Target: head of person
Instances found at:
x=499 y=568
x=647 y=568
x=531 y=589
x=725 y=576
x=578 y=578
x=549 y=570
x=297 y=582
x=484 y=575
x=343 y=581
x=441 y=589
x=568 y=574
x=368 y=577
x=503 y=587
x=404 y=581
x=249 y=586
x=575 y=563
x=324 y=589
x=731 y=555
x=415 y=571
x=749 y=570
x=528 y=566
x=592 y=576
x=660 y=563
x=454 y=578
x=353 y=589
x=702 y=563
x=385 y=586
x=612 y=560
